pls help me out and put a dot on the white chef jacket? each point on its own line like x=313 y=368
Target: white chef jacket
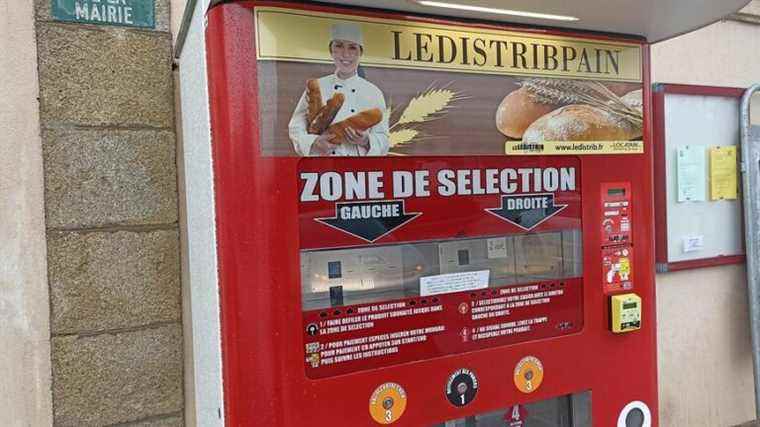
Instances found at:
x=360 y=95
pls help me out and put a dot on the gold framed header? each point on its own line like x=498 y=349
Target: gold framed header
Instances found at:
x=284 y=34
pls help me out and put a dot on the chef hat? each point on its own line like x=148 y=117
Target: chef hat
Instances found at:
x=347 y=31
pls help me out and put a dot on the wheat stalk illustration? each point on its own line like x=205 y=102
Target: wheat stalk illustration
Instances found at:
x=430 y=104
x=427 y=106
x=402 y=137
x=563 y=92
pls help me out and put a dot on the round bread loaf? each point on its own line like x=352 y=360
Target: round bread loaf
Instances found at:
x=517 y=111
x=634 y=100
x=579 y=122
x=618 y=89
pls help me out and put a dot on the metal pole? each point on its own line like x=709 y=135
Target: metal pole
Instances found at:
x=750 y=168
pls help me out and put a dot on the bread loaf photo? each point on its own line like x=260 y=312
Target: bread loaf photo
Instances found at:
x=358 y=122
x=326 y=114
x=618 y=89
x=634 y=100
x=517 y=111
x=313 y=99
x=580 y=122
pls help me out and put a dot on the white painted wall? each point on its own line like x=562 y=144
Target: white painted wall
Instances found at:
x=177 y=9
x=204 y=393
x=722 y=54
x=705 y=359
x=25 y=397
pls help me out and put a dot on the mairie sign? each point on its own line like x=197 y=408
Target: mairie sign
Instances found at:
x=130 y=13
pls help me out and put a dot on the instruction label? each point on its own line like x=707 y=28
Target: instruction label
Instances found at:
x=377 y=335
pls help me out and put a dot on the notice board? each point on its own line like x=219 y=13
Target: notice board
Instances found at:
x=698 y=209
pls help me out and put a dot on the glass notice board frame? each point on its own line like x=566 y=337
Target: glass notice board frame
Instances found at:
x=694 y=234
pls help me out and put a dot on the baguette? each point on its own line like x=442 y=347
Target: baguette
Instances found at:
x=326 y=114
x=358 y=122
x=314 y=99
x=579 y=122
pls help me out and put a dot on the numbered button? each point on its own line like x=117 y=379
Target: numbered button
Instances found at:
x=461 y=387
x=387 y=403
x=528 y=374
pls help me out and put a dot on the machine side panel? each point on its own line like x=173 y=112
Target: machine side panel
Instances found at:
x=200 y=230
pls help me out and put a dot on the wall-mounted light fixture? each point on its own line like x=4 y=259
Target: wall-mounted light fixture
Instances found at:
x=483 y=9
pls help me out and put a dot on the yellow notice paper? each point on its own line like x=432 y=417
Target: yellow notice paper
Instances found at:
x=723 y=173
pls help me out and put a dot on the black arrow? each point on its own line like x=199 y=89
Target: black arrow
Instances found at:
x=369 y=220
x=527 y=210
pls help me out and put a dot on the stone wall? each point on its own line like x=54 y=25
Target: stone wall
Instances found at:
x=109 y=151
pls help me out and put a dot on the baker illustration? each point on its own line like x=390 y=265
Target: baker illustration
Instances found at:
x=353 y=121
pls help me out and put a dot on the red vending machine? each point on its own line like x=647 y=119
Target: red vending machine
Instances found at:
x=430 y=222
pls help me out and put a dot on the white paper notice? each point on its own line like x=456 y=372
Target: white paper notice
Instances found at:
x=497 y=248
x=692 y=174
x=454 y=282
x=693 y=243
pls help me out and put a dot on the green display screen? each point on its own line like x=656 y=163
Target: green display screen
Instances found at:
x=627 y=305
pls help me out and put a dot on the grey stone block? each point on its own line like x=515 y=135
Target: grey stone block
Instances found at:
x=163 y=15
x=168 y=421
x=106 y=177
x=43 y=12
x=112 y=280
x=97 y=76
x=109 y=379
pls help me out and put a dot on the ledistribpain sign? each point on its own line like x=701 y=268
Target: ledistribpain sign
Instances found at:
x=392 y=43
x=337 y=84
x=130 y=13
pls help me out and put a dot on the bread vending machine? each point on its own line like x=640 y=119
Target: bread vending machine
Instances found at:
x=429 y=222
